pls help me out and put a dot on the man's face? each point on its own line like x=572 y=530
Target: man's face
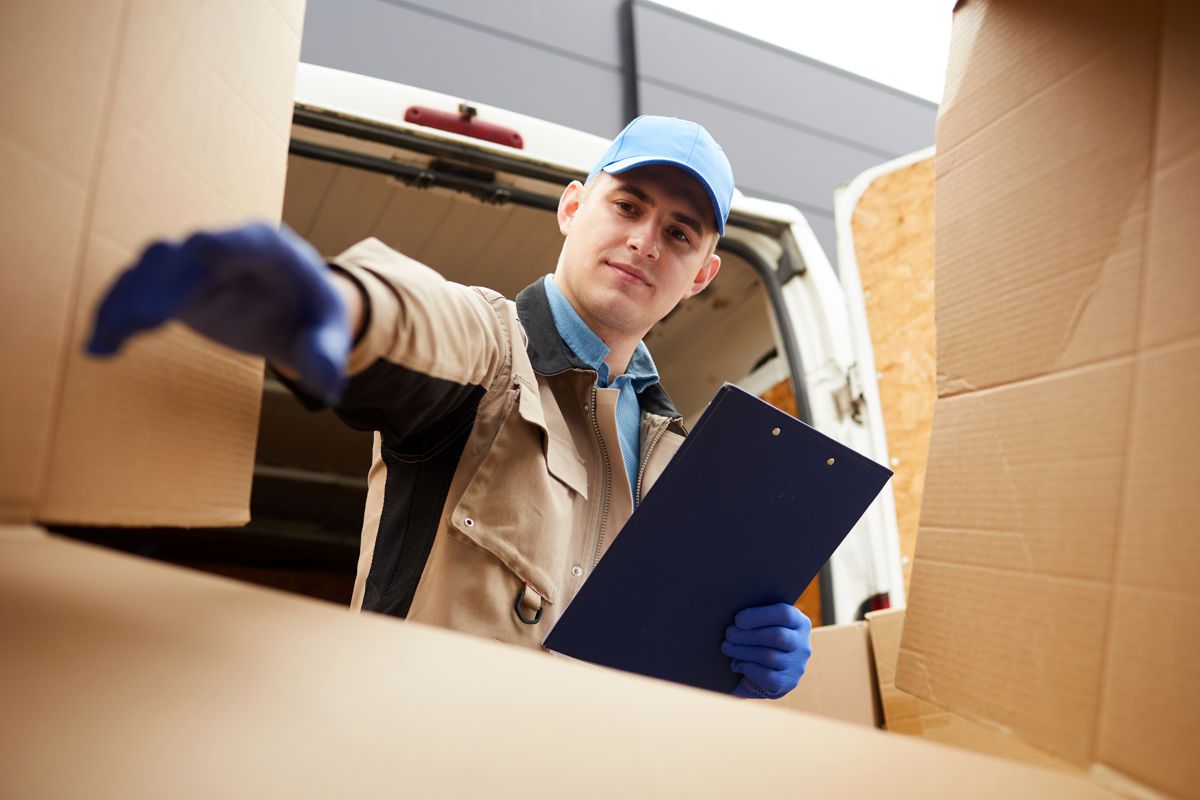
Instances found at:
x=636 y=244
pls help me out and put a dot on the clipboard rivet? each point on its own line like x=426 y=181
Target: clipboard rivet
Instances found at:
x=829 y=462
x=774 y=431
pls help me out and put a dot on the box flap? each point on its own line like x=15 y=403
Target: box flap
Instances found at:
x=134 y=121
x=20 y=532
x=839 y=681
x=55 y=64
x=1053 y=589
x=1150 y=716
x=905 y=714
x=147 y=680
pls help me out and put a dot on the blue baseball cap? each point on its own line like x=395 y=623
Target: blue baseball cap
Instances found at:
x=683 y=144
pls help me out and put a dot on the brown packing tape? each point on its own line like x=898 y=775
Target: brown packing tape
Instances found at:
x=127 y=678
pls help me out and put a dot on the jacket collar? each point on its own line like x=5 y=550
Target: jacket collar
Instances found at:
x=549 y=354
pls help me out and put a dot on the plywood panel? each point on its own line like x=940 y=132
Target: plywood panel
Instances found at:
x=893 y=245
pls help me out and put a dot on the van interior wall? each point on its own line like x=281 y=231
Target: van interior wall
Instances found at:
x=720 y=335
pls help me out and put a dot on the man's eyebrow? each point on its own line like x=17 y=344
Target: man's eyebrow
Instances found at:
x=684 y=219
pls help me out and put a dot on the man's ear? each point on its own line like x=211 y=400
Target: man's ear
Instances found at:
x=568 y=205
x=705 y=275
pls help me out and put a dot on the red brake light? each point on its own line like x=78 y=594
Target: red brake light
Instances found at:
x=465 y=122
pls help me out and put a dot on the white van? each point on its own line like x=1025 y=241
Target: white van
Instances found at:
x=365 y=162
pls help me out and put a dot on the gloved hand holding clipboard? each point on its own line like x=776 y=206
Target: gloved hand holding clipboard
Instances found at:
x=746 y=514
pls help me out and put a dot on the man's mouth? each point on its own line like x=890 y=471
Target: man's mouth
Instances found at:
x=629 y=272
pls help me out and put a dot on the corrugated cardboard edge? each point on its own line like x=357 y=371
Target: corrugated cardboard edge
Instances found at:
x=911 y=716
x=1123 y=785
x=20 y=533
x=840 y=681
x=218 y=684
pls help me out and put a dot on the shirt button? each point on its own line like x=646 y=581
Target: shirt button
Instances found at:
x=576 y=570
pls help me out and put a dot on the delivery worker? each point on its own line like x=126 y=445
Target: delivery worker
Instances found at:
x=513 y=439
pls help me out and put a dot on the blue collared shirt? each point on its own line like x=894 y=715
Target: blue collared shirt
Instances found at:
x=591 y=350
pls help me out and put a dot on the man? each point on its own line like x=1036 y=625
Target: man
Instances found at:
x=513 y=439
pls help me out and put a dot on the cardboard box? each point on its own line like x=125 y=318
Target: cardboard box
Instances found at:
x=839 y=682
x=124 y=677
x=1052 y=594
x=125 y=122
x=1054 y=590
x=908 y=715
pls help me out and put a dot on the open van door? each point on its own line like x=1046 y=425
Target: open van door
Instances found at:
x=884 y=222
x=832 y=362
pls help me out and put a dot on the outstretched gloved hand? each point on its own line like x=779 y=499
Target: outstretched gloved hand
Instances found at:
x=770 y=648
x=258 y=289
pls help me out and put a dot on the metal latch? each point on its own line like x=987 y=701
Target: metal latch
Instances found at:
x=849 y=397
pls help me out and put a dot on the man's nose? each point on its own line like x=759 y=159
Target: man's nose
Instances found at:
x=643 y=239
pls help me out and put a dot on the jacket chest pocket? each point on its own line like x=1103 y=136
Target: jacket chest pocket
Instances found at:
x=520 y=504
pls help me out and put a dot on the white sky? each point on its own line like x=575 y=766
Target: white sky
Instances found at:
x=901 y=43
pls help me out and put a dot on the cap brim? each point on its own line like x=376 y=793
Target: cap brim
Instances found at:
x=626 y=164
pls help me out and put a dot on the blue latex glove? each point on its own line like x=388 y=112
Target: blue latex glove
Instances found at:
x=770 y=648
x=258 y=289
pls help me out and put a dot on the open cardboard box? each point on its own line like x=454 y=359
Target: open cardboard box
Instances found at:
x=129 y=678
x=1051 y=595
x=125 y=122
x=852 y=677
x=1053 y=590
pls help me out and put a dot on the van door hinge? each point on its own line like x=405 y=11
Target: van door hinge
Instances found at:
x=849 y=397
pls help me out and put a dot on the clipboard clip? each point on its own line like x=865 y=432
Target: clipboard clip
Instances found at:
x=528 y=598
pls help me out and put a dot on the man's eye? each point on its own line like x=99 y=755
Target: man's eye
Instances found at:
x=625 y=205
x=679 y=234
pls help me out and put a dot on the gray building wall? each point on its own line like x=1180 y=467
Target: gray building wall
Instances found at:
x=793 y=128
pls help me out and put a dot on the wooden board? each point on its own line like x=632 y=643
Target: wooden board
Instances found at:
x=893 y=244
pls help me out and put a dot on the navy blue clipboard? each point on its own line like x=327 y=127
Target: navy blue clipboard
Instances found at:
x=747 y=512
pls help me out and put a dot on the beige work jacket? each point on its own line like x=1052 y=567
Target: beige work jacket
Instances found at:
x=496 y=457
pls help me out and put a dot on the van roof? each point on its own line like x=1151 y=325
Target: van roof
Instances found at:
x=383 y=102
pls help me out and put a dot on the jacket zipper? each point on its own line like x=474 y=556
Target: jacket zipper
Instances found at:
x=662 y=428
x=607 y=479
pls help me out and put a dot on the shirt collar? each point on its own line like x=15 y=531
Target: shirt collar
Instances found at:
x=590 y=348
